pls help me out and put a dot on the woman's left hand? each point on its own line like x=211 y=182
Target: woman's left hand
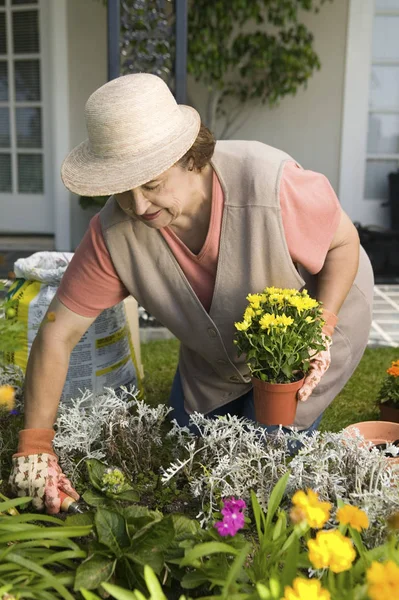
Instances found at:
x=318 y=366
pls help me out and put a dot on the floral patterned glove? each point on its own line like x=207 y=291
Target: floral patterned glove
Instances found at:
x=36 y=472
x=321 y=361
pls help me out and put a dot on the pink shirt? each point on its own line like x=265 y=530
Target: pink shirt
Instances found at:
x=310 y=214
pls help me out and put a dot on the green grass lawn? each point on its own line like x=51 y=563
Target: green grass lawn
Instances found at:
x=357 y=401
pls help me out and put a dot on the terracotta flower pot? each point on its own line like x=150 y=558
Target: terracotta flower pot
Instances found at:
x=275 y=403
x=377 y=432
x=389 y=412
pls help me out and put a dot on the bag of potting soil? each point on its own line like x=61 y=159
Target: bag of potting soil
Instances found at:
x=104 y=357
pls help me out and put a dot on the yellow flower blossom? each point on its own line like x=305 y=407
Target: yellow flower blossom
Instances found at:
x=305 y=589
x=383 y=580
x=267 y=321
x=7 y=397
x=276 y=299
x=242 y=326
x=303 y=303
x=309 y=319
x=353 y=516
x=249 y=314
x=284 y=321
x=255 y=300
x=316 y=513
x=331 y=549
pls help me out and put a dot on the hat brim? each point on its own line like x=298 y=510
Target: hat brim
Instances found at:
x=86 y=174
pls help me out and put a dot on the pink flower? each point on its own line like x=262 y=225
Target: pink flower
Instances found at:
x=233 y=517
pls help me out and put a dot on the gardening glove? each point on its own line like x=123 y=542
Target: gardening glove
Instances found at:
x=36 y=472
x=321 y=361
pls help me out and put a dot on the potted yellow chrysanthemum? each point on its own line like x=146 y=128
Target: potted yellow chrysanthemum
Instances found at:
x=280 y=332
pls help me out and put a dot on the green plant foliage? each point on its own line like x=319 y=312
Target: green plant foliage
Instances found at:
x=389 y=391
x=37 y=554
x=249 y=50
x=11 y=330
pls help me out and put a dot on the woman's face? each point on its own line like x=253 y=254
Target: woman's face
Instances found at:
x=161 y=201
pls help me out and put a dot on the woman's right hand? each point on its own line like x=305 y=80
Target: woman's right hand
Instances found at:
x=36 y=472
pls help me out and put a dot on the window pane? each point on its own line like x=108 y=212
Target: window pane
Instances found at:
x=30 y=173
x=5 y=173
x=3 y=38
x=383 y=134
x=385 y=37
x=384 y=87
x=25 y=31
x=2 y=2
x=27 y=80
x=4 y=128
x=24 y=2
x=3 y=81
x=29 y=127
x=387 y=4
x=376 y=181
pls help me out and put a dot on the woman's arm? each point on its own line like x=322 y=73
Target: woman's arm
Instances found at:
x=48 y=363
x=340 y=267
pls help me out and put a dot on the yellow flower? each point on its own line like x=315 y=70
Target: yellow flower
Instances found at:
x=353 y=516
x=309 y=319
x=383 y=580
x=7 y=397
x=276 y=299
x=284 y=321
x=303 y=303
x=256 y=299
x=316 y=512
x=243 y=326
x=249 y=314
x=331 y=549
x=305 y=589
x=267 y=321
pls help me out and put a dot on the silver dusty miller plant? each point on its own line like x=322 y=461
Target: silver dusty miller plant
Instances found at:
x=234 y=456
x=110 y=427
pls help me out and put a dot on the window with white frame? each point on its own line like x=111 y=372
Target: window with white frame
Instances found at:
x=21 y=138
x=383 y=124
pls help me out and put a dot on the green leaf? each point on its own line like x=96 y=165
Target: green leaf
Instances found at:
x=127 y=495
x=204 y=550
x=96 y=498
x=32 y=566
x=46 y=533
x=148 y=547
x=290 y=563
x=4 y=506
x=96 y=470
x=153 y=584
x=93 y=572
x=89 y=595
x=193 y=579
x=120 y=593
x=86 y=518
x=260 y=519
x=111 y=531
x=275 y=498
x=235 y=570
x=184 y=526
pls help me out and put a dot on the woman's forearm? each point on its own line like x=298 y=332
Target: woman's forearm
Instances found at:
x=340 y=267
x=45 y=378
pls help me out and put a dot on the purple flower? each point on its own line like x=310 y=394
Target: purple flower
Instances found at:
x=233 y=517
x=232 y=506
x=14 y=411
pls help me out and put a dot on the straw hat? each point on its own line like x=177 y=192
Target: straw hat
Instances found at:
x=136 y=132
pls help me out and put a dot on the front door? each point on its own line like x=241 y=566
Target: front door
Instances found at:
x=26 y=205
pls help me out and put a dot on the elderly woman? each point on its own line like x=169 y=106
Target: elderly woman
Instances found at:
x=189 y=230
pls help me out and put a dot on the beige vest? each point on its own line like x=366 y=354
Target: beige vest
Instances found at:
x=253 y=254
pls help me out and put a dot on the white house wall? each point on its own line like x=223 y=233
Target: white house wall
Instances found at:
x=308 y=125
x=87 y=57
